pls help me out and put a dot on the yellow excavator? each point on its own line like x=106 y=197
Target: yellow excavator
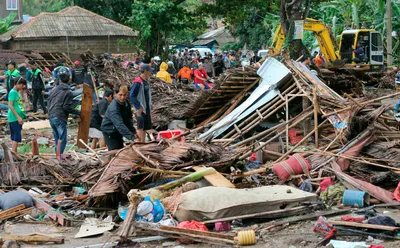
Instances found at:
x=369 y=39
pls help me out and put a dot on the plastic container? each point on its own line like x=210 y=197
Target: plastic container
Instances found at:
x=168 y=134
x=355 y=198
x=177 y=125
x=246 y=237
x=295 y=165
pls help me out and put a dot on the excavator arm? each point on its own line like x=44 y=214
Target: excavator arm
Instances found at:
x=322 y=34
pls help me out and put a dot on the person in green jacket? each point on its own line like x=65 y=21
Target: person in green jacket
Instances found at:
x=38 y=87
x=16 y=112
x=10 y=75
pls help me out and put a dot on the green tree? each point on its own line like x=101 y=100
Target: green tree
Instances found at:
x=5 y=24
x=251 y=22
x=162 y=21
x=35 y=7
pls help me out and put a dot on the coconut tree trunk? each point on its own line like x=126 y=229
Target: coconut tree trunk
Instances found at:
x=291 y=12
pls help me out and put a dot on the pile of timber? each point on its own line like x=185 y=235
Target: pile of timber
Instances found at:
x=228 y=92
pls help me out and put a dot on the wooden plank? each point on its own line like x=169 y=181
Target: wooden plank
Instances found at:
x=17 y=213
x=197 y=232
x=361 y=225
x=286 y=212
x=33 y=238
x=215 y=179
x=86 y=110
x=36 y=125
x=11 y=210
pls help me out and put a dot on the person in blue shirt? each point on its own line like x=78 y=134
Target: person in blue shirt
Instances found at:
x=140 y=95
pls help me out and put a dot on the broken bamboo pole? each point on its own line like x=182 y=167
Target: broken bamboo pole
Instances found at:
x=290 y=89
x=300 y=142
x=90 y=149
x=363 y=103
x=272 y=110
x=315 y=101
x=273 y=138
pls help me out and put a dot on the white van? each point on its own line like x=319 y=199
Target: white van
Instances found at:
x=203 y=51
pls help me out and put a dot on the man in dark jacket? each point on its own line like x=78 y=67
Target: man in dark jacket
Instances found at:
x=98 y=112
x=117 y=122
x=140 y=96
x=219 y=66
x=78 y=74
x=60 y=106
x=37 y=86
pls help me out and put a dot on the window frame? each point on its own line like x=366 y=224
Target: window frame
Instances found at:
x=9 y=2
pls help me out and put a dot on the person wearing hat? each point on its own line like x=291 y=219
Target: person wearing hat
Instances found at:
x=78 y=74
x=60 y=105
x=38 y=86
x=117 y=122
x=98 y=112
x=16 y=112
x=140 y=96
x=10 y=75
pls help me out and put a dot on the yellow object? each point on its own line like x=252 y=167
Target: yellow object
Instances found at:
x=369 y=38
x=247 y=237
x=163 y=74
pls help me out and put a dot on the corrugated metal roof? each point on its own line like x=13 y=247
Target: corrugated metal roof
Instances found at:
x=73 y=22
x=212 y=33
x=203 y=42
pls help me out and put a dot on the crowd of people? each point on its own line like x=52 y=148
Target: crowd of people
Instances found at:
x=190 y=66
x=112 y=117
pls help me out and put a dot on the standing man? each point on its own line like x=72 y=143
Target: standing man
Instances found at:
x=140 y=96
x=98 y=112
x=117 y=122
x=219 y=66
x=9 y=76
x=16 y=112
x=78 y=74
x=37 y=80
x=60 y=106
x=209 y=67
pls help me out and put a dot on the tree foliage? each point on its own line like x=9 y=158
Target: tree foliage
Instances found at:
x=249 y=21
x=5 y=24
x=35 y=7
x=163 y=21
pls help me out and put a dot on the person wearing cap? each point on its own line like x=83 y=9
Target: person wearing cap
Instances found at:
x=140 y=96
x=16 y=112
x=38 y=86
x=10 y=75
x=98 y=112
x=117 y=122
x=78 y=74
x=60 y=105
x=201 y=77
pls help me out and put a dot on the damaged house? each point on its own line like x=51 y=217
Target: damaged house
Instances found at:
x=72 y=31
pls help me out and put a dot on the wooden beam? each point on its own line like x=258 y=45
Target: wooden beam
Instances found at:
x=215 y=179
x=361 y=225
x=86 y=111
x=33 y=238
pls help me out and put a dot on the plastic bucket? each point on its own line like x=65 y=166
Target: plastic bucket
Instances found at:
x=355 y=198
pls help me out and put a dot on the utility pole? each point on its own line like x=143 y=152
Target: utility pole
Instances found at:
x=389 y=32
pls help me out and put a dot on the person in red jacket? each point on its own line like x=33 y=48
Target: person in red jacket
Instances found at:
x=201 y=77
